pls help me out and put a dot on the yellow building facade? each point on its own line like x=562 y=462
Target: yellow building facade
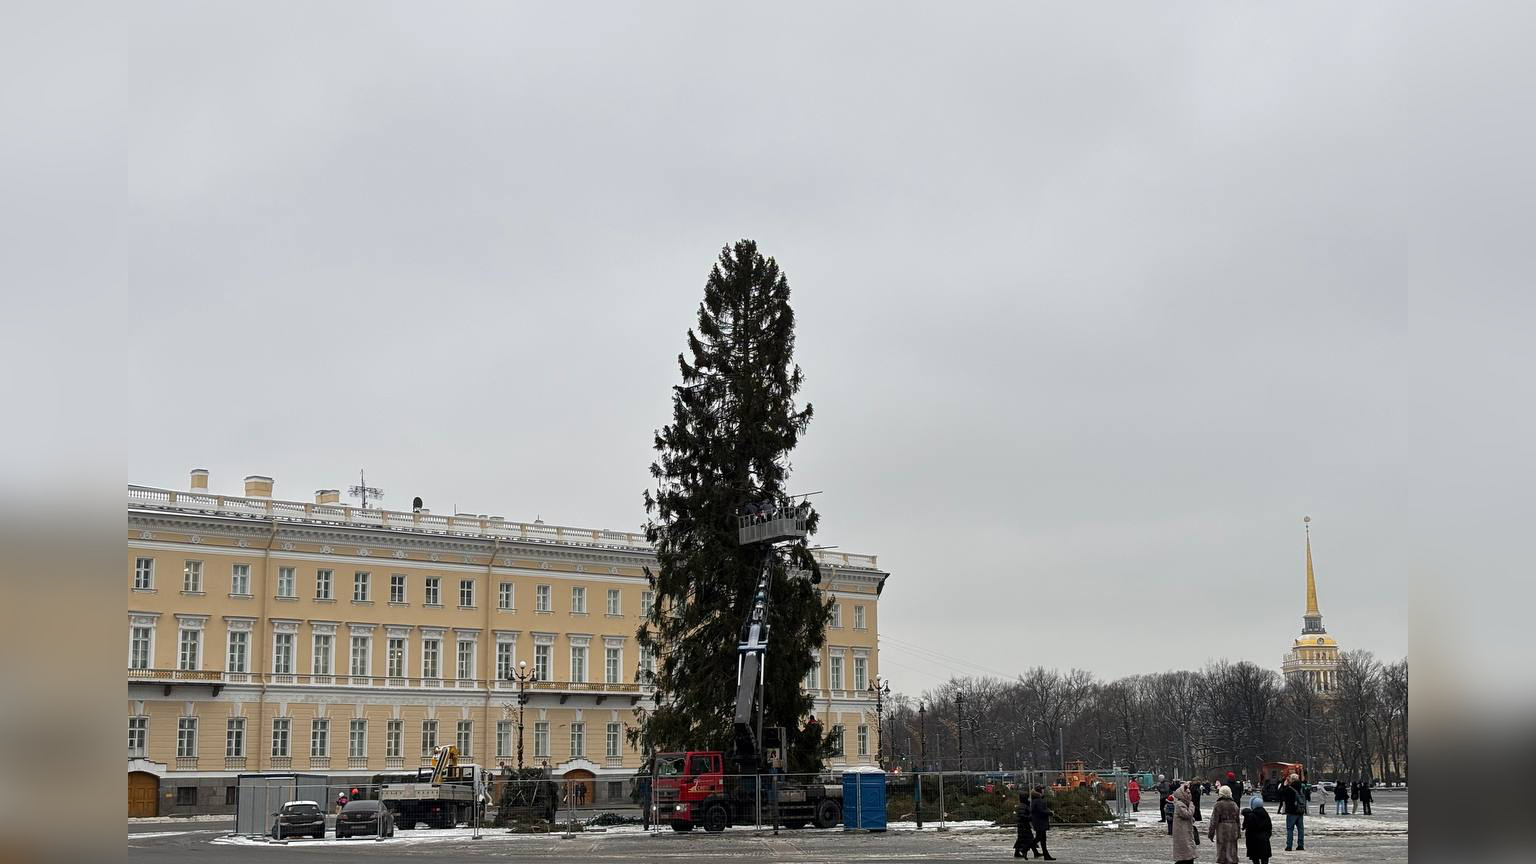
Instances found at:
x=325 y=638
x=1314 y=655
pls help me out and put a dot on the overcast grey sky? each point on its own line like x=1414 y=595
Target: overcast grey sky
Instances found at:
x=1095 y=300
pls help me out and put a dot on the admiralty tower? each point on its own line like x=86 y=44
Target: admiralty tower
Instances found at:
x=1314 y=655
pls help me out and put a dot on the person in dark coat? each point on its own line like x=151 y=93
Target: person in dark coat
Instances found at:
x=1365 y=796
x=1164 y=789
x=1340 y=797
x=1195 y=791
x=1025 y=843
x=1293 y=803
x=1257 y=829
x=1040 y=820
x=1354 y=796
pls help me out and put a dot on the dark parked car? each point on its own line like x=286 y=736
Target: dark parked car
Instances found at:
x=365 y=817
x=299 y=819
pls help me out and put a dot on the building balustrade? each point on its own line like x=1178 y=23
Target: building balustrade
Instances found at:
x=234 y=763
x=285 y=762
x=319 y=762
x=186 y=763
x=370 y=681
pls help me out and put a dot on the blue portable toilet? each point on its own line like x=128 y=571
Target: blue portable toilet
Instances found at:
x=864 y=799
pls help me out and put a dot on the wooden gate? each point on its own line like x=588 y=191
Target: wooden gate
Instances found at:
x=143 y=794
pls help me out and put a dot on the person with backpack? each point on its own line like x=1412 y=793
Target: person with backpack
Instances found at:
x=1025 y=843
x=1293 y=803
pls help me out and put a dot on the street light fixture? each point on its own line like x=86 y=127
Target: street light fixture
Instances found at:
x=960 y=726
x=881 y=689
x=523 y=677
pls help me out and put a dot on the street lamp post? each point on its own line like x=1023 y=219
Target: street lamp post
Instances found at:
x=960 y=727
x=523 y=677
x=881 y=689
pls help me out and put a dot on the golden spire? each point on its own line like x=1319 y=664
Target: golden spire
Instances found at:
x=1312 y=611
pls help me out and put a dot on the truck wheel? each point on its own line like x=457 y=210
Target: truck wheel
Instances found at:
x=828 y=813
x=715 y=819
x=682 y=827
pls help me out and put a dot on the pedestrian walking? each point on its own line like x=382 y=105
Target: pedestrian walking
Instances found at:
x=1365 y=796
x=1183 y=826
x=1040 y=821
x=1354 y=796
x=1226 y=826
x=1163 y=793
x=1195 y=790
x=1340 y=797
x=1293 y=803
x=1133 y=794
x=1256 y=831
x=1025 y=843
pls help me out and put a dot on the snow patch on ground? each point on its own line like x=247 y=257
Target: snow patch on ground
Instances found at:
x=153 y=834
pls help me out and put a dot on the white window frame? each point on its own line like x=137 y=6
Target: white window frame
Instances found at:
x=325 y=578
x=144 y=573
x=506 y=596
x=837 y=615
x=234 y=738
x=578 y=664
x=357 y=738
x=503 y=739
x=148 y=660
x=835 y=672
x=647 y=600
x=431 y=651
x=284 y=653
x=541 y=739
x=813 y=677
x=506 y=660
x=543 y=598
x=192 y=577
x=860 y=673
x=316 y=655
x=615 y=602
x=237 y=663
x=282 y=737
x=578 y=600
x=320 y=738
x=613 y=665
x=464 y=661
x=859 y=618
x=428 y=736
x=240 y=580
x=138 y=736
x=396 y=648
x=578 y=739
x=367 y=655
x=186 y=737
x=394 y=738
x=181 y=648
x=287 y=582
x=361 y=586
x=543 y=661
x=863 y=740
x=397 y=588
x=613 y=746
x=464 y=737
x=432 y=591
x=466 y=593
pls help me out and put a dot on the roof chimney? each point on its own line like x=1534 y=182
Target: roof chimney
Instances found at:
x=199 y=479
x=327 y=496
x=257 y=486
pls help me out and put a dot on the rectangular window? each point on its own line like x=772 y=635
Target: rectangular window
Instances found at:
x=285 y=582
x=360 y=587
x=357 y=739
x=541 y=599
x=504 y=596
x=323 y=584
x=239 y=650
x=428 y=737
x=397 y=587
x=320 y=737
x=138 y=736
x=186 y=796
x=466 y=659
x=144 y=574
x=504 y=665
x=186 y=737
x=837 y=740
x=861 y=673
x=647 y=665
x=322 y=655
x=240 y=579
x=234 y=738
x=360 y=648
x=541 y=738
x=190 y=651
x=578 y=600
x=433 y=591
x=837 y=615
x=466 y=593
x=858 y=617
x=465 y=736
x=192 y=577
x=612 y=673
x=863 y=740
x=613 y=601
x=394 y=735
x=578 y=664
x=835 y=671
x=503 y=738
x=138 y=647
x=615 y=790
x=578 y=740
x=543 y=656
x=396 y=657
x=813 y=678
x=430 y=650
x=282 y=653
x=281 y=727
x=231 y=796
x=647 y=600
x=615 y=733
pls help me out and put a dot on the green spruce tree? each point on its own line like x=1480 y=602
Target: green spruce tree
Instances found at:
x=734 y=424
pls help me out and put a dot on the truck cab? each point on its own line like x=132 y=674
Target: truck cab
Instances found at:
x=694 y=788
x=683 y=782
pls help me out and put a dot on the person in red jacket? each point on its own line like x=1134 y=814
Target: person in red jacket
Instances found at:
x=1133 y=793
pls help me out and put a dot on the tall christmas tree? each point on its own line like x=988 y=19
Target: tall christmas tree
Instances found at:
x=734 y=424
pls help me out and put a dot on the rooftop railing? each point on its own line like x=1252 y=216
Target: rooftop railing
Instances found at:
x=458 y=525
